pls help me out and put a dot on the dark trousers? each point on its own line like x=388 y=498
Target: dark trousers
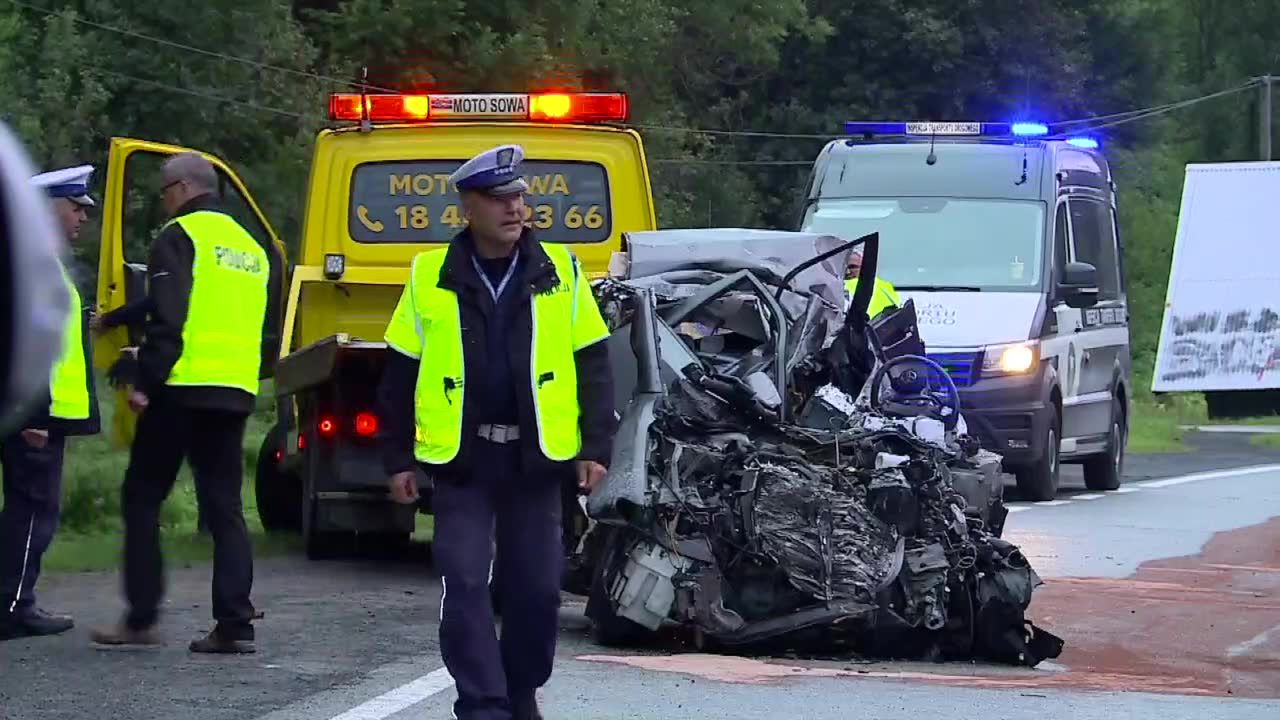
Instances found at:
x=525 y=511
x=212 y=441
x=32 y=501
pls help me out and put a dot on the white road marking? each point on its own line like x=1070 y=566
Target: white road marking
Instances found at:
x=1124 y=490
x=1247 y=646
x=1016 y=508
x=401 y=698
x=1166 y=482
x=1088 y=496
x=1246 y=429
x=1052 y=503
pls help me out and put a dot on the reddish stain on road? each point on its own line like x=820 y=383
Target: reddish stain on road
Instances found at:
x=1206 y=624
x=1212 y=619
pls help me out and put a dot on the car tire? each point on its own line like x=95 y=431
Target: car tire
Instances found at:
x=278 y=494
x=1038 y=481
x=1105 y=471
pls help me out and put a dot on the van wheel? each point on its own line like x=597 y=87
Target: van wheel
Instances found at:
x=1103 y=472
x=1039 y=481
x=278 y=494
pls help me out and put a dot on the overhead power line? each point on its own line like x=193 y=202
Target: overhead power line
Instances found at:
x=200 y=94
x=192 y=49
x=1130 y=115
x=1164 y=109
x=696 y=161
x=1110 y=120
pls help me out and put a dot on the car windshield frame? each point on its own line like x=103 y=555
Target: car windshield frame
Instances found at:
x=853 y=217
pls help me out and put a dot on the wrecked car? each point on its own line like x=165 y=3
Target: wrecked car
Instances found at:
x=788 y=475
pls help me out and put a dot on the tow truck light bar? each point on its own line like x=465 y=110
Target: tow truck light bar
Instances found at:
x=962 y=129
x=531 y=107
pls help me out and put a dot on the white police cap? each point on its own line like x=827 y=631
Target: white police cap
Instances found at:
x=70 y=183
x=493 y=172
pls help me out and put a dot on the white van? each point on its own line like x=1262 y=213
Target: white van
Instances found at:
x=1006 y=239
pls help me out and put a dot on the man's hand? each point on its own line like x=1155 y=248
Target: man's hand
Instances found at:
x=590 y=473
x=36 y=438
x=404 y=487
x=138 y=401
x=95 y=322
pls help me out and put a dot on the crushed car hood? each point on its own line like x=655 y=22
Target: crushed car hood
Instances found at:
x=752 y=501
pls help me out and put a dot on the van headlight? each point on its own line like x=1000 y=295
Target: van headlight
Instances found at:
x=1015 y=359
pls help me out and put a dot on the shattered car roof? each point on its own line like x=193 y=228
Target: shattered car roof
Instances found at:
x=772 y=253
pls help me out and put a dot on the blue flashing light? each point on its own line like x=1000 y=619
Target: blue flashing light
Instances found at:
x=1087 y=143
x=1024 y=129
x=947 y=129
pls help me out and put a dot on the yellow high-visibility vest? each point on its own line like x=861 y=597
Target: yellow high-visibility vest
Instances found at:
x=222 y=337
x=883 y=296
x=427 y=325
x=69 y=377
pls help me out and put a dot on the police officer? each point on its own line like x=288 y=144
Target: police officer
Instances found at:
x=32 y=457
x=211 y=291
x=885 y=295
x=499 y=390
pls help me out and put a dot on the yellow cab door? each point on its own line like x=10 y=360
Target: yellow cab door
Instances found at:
x=132 y=213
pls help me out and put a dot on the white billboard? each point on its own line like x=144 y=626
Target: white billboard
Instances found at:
x=1221 y=328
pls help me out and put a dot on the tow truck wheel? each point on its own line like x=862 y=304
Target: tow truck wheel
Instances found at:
x=1039 y=481
x=277 y=492
x=1104 y=471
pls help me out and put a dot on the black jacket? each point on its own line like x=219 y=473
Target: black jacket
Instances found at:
x=92 y=425
x=595 y=382
x=168 y=295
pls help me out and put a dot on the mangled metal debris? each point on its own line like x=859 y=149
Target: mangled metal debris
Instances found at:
x=775 y=483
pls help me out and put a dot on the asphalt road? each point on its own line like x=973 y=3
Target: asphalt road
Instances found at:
x=1167 y=594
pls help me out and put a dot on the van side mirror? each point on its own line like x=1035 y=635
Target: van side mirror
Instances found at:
x=1079 y=285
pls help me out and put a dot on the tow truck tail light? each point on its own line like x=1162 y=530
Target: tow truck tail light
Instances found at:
x=511 y=107
x=366 y=424
x=327 y=427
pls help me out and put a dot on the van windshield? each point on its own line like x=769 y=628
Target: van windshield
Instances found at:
x=994 y=245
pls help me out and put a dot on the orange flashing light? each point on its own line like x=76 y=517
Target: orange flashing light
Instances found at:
x=535 y=107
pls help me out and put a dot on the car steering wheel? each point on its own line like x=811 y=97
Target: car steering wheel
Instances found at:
x=915 y=390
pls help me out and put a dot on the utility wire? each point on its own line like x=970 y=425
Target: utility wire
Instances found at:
x=200 y=94
x=696 y=161
x=1158 y=109
x=1115 y=118
x=192 y=49
x=1155 y=112
x=737 y=133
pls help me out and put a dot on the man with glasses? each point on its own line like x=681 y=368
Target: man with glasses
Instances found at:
x=211 y=291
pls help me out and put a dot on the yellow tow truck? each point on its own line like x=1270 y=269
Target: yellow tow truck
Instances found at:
x=377 y=195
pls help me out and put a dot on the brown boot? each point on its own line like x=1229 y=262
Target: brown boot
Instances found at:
x=221 y=642
x=122 y=636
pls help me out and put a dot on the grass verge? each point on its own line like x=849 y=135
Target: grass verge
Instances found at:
x=89 y=536
x=1268 y=441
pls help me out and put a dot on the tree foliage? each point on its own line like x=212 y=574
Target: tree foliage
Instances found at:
x=247 y=80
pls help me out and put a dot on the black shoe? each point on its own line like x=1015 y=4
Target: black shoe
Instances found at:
x=220 y=642
x=33 y=622
x=525 y=707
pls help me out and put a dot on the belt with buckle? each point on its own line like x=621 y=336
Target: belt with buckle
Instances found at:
x=500 y=434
